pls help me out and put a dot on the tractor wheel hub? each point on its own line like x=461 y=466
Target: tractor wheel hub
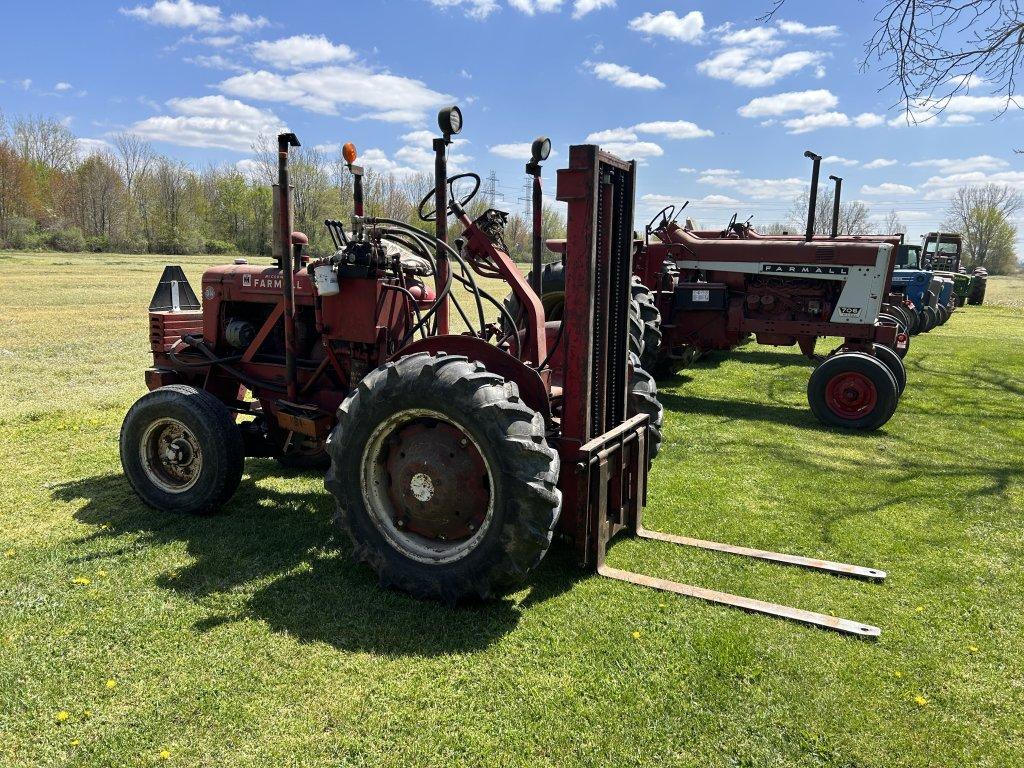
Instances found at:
x=438 y=484
x=851 y=395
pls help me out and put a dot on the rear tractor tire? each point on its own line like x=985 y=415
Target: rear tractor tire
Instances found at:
x=443 y=478
x=181 y=450
x=643 y=398
x=651 y=318
x=853 y=391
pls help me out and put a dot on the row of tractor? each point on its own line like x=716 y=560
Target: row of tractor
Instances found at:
x=463 y=429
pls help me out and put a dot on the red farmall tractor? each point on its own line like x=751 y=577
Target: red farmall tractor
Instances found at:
x=716 y=288
x=454 y=458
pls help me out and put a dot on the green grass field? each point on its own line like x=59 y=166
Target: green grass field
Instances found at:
x=130 y=637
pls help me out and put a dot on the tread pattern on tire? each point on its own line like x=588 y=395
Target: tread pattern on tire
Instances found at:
x=870 y=365
x=643 y=398
x=510 y=433
x=650 y=316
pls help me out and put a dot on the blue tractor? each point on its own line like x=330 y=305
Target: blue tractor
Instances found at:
x=918 y=285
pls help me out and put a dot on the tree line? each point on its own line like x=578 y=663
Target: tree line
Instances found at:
x=127 y=198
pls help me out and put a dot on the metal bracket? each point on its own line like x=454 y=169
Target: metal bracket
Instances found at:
x=812 y=618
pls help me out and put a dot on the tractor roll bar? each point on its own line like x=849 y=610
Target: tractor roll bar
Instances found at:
x=835 y=205
x=812 y=205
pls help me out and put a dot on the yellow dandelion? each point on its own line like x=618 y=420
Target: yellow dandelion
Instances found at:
x=9 y=553
x=920 y=609
x=75 y=742
x=898 y=674
x=62 y=716
x=973 y=649
x=111 y=683
x=81 y=580
x=86 y=713
x=921 y=701
x=636 y=635
x=101 y=573
x=165 y=754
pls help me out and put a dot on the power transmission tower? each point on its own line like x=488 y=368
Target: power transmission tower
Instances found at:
x=526 y=198
x=491 y=193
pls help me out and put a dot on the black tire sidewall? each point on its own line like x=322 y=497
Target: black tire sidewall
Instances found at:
x=218 y=436
x=479 y=570
x=885 y=385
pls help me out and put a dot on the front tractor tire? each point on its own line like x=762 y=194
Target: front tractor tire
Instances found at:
x=181 y=450
x=853 y=390
x=651 y=318
x=443 y=478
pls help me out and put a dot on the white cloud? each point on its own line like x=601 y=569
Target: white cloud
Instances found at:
x=687 y=170
x=673 y=129
x=880 y=162
x=887 y=188
x=26 y=84
x=210 y=122
x=745 y=66
x=61 y=87
x=300 y=51
x=253 y=170
x=798 y=28
x=612 y=134
x=807 y=102
x=968 y=81
x=416 y=156
x=186 y=13
x=757 y=189
x=216 y=61
x=686 y=29
x=626 y=143
x=515 y=151
x=868 y=120
x=814 y=122
x=581 y=8
x=764 y=37
x=836 y=160
x=475 y=9
x=942 y=187
x=530 y=7
x=88 y=147
x=978 y=104
x=959 y=119
x=387 y=97
x=624 y=77
x=220 y=41
x=708 y=200
x=962 y=165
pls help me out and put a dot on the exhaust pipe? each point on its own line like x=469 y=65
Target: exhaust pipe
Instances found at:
x=284 y=142
x=812 y=207
x=835 y=205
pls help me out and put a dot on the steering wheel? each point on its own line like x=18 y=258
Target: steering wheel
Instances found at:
x=667 y=211
x=732 y=223
x=431 y=215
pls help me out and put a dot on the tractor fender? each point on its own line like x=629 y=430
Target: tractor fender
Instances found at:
x=532 y=389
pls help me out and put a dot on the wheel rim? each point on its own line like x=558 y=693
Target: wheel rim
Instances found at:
x=171 y=456
x=427 y=486
x=851 y=395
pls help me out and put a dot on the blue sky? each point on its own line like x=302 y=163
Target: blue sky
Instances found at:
x=717 y=107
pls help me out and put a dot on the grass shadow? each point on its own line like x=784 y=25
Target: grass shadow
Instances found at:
x=282 y=550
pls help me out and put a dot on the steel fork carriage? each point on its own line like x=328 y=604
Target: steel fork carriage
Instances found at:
x=605 y=447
